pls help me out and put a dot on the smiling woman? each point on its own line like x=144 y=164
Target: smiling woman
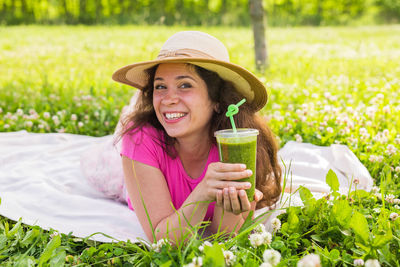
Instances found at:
x=173 y=177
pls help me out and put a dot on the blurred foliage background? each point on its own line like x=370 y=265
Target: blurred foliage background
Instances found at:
x=198 y=12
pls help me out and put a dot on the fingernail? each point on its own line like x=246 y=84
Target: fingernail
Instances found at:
x=243 y=166
x=248 y=185
x=232 y=190
x=249 y=172
x=242 y=193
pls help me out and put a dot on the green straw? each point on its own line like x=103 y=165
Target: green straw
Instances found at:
x=233 y=110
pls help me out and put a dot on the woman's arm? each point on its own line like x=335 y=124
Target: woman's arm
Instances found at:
x=148 y=190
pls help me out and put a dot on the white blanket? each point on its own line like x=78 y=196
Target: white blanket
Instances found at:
x=42 y=183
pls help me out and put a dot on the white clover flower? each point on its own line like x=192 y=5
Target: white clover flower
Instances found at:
x=378 y=196
x=86 y=117
x=80 y=124
x=329 y=129
x=196 y=262
x=46 y=115
x=267 y=238
x=52 y=235
x=256 y=240
x=1 y=110
x=372 y=263
x=390 y=198
x=377 y=210
x=260 y=228
x=386 y=109
x=230 y=258
x=272 y=256
x=276 y=224
x=266 y=264
x=375 y=189
x=55 y=119
x=96 y=114
x=206 y=243
x=397 y=169
x=20 y=112
x=386 y=132
x=393 y=216
x=391 y=150
x=310 y=260
x=74 y=117
x=160 y=243
x=6 y=126
x=397 y=207
x=298 y=138
x=396 y=201
x=29 y=124
x=358 y=262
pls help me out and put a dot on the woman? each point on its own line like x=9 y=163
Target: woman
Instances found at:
x=170 y=160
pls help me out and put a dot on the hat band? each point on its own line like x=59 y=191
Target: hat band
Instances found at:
x=183 y=53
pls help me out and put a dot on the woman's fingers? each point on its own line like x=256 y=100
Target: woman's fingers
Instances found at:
x=219 y=197
x=227 y=202
x=235 y=203
x=258 y=195
x=244 y=200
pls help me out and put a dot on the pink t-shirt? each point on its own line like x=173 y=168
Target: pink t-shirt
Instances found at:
x=146 y=146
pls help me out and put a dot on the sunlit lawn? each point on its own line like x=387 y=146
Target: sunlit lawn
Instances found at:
x=326 y=86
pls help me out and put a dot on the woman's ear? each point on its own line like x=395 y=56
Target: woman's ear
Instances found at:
x=216 y=108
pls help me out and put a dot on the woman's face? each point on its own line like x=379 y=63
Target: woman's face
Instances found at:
x=181 y=101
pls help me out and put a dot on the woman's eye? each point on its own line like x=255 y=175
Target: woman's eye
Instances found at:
x=186 y=85
x=159 y=86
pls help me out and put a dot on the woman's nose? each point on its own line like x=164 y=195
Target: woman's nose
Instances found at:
x=171 y=97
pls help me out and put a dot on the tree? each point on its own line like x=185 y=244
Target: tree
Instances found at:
x=260 y=47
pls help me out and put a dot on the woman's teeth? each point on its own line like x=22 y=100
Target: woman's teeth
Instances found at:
x=171 y=116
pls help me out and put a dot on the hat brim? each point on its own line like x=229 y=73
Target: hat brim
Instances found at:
x=244 y=81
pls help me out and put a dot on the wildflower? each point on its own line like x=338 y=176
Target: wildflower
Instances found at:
x=377 y=210
x=397 y=169
x=298 y=137
x=1 y=110
x=74 y=117
x=356 y=181
x=393 y=216
x=272 y=256
x=106 y=123
x=267 y=238
x=206 y=243
x=329 y=130
x=256 y=240
x=310 y=260
x=390 y=198
x=6 y=126
x=86 y=117
x=52 y=235
x=55 y=120
x=230 y=258
x=40 y=126
x=276 y=224
x=46 y=115
x=80 y=124
x=20 y=112
x=29 y=124
x=96 y=114
x=397 y=207
x=358 y=262
x=391 y=150
x=259 y=228
x=196 y=262
x=386 y=109
x=396 y=201
x=160 y=243
x=372 y=263
x=375 y=189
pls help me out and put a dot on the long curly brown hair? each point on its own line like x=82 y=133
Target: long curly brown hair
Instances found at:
x=268 y=172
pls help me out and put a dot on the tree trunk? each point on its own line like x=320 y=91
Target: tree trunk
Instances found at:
x=260 y=47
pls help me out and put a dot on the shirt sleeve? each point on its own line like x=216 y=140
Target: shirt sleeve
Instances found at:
x=142 y=145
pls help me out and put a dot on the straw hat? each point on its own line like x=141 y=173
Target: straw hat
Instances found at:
x=205 y=51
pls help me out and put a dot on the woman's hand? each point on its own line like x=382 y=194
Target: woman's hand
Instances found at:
x=236 y=201
x=223 y=175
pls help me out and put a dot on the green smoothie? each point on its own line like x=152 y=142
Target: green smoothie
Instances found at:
x=239 y=147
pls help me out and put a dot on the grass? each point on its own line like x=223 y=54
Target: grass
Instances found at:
x=326 y=85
